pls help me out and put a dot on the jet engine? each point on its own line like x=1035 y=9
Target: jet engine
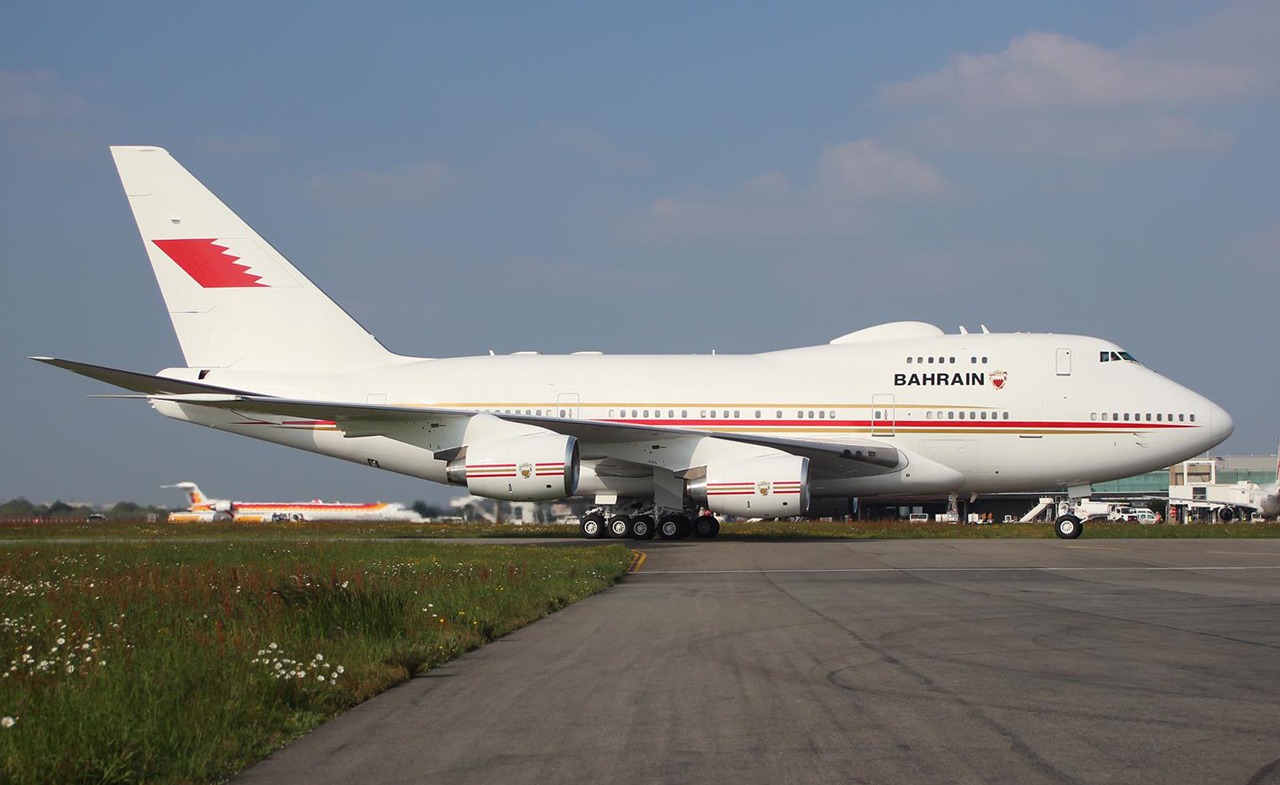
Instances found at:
x=222 y=506
x=536 y=467
x=772 y=486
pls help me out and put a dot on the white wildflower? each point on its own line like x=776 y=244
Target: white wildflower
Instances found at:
x=7 y=722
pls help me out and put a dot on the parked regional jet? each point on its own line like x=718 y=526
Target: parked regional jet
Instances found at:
x=202 y=509
x=898 y=410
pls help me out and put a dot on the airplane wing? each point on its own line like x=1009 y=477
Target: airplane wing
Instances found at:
x=646 y=445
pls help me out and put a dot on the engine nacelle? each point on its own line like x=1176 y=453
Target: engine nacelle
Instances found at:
x=222 y=506
x=773 y=486
x=536 y=467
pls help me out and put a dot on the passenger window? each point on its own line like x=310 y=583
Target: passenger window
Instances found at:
x=877 y=414
x=757 y=414
x=908 y=361
x=931 y=361
x=1182 y=418
x=1093 y=415
x=1148 y=416
x=953 y=360
x=703 y=414
x=984 y=360
x=684 y=414
x=1006 y=415
x=833 y=414
x=736 y=414
x=779 y=414
x=973 y=360
x=984 y=415
x=1159 y=417
x=1126 y=417
x=1105 y=418
x=1193 y=418
x=646 y=413
x=928 y=415
x=951 y=415
x=973 y=415
x=810 y=414
x=799 y=415
x=671 y=414
x=822 y=415
x=713 y=414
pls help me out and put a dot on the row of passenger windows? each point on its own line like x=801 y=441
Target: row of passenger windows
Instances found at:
x=1140 y=417
x=725 y=414
x=942 y=360
x=958 y=415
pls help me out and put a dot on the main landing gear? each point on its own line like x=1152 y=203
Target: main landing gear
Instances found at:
x=596 y=525
x=1068 y=527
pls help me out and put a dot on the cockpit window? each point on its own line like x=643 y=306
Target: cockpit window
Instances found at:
x=1128 y=357
x=1107 y=356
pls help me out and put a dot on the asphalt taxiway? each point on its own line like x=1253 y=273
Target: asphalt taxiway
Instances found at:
x=930 y=661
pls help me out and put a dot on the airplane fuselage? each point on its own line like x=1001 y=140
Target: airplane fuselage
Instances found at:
x=1007 y=412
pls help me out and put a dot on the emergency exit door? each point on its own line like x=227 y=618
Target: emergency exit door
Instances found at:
x=1064 y=362
x=883 y=417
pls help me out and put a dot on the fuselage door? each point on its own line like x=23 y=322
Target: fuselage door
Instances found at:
x=883 y=417
x=567 y=405
x=1064 y=362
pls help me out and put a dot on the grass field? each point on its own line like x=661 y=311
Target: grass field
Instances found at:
x=177 y=661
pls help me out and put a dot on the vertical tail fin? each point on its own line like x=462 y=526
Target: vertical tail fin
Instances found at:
x=194 y=496
x=233 y=299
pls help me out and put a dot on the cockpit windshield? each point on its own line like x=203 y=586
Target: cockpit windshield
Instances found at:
x=1115 y=357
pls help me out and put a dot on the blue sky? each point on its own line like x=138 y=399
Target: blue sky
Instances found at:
x=661 y=177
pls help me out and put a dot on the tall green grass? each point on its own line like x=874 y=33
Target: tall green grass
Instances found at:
x=183 y=662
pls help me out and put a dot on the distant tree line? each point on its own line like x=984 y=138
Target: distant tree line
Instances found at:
x=22 y=508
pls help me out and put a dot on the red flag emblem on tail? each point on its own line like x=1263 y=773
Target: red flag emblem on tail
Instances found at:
x=210 y=264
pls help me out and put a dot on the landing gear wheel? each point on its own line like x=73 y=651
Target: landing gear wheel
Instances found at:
x=1068 y=527
x=673 y=527
x=592 y=526
x=642 y=528
x=619 y=527
x=706 y=526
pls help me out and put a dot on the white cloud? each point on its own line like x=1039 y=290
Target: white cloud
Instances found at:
x=848 y=177
x=420 y=182
x=37 y=94
x=1092 y=137
x=1053 y=94
x=866 y=171
x=591 y=143
x=1049 y=70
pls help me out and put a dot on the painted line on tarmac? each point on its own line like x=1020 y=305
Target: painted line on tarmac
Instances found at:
x=637 y=559
x=964 y=569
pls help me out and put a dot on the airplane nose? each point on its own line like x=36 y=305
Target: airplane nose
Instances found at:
x=1220 y=425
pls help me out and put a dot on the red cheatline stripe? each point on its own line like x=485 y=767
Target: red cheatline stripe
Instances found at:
x=551 y=474
x=731 y=493
x=561 y=463
x=779 y=493
x=490 y=465
x=491 y=474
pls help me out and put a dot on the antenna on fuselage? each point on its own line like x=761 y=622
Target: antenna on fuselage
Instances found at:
x=985 y=331
x=963 y=331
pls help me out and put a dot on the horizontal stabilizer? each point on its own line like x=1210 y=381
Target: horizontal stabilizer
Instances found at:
x=131 y=380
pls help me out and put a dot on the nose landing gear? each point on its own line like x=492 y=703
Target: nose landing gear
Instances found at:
x=1068 y=527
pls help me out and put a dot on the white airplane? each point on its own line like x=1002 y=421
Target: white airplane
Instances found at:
x=898 y=410
x=202 y=509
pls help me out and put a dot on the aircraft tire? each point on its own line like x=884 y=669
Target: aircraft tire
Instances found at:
x=706 y=527
x=592 y=526
x=642 y=528
x=1068 y=527
x=673 y=527
x=619 y=527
